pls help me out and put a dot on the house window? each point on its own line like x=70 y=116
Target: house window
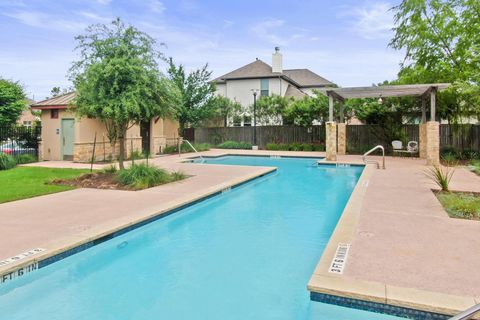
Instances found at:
x=264 y=87
x=247 y=121
x=27 y=123
x=54 y=114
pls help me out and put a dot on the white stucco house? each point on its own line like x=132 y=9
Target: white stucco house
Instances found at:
x=239 y=85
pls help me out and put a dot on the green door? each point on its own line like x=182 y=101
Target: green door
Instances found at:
x=68 y=134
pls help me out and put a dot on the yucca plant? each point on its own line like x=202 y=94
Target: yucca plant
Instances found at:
x=440 y=176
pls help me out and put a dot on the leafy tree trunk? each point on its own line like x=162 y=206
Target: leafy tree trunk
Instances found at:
x=113 y=144
x=121 y=156
x=181 y=127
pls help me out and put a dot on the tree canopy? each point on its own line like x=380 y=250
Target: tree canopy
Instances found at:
x=197 y=94
x=117 y=79
x=225 y=108
x=441 y=39
x=12 y=102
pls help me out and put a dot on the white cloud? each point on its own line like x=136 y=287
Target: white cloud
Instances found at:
x=372 y=20
x=157 y=6
x=42 y=20
x=104 y=2
x=227 y=23
x=278 y=33
x=269 y=30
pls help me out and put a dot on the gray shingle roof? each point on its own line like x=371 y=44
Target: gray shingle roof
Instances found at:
x=256 y=69
x=307 y=78
x=63 y=100
x=293 y=91
x=260 y=69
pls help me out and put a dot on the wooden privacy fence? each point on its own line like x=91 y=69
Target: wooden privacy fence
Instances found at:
x=265 y=134
x=460 y=137
x=360 y=138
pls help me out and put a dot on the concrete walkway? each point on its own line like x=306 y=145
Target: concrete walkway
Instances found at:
x=403 y=237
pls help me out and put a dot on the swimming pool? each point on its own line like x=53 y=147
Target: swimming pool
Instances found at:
x=245 y=254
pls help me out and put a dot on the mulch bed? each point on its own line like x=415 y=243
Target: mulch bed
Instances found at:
x=98 y=180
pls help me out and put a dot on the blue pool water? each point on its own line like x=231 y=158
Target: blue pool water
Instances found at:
x=245 y=254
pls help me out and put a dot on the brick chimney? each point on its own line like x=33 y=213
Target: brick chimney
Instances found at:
x=277 y=64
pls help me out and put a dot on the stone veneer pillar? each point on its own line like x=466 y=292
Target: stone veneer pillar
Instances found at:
x=422 y=143
x=331 y=140
x=342 y=138
x=433 y=142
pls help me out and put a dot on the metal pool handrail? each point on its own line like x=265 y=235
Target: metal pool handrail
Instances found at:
x=193 y=148
x=366 y=161
x=467 y=314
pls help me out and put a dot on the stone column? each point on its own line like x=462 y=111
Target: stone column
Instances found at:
x=342 y=138
x=433 y=143
x=422 y=143
x=331 y=140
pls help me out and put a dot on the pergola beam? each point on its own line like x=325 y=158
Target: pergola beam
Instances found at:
x=341 y=94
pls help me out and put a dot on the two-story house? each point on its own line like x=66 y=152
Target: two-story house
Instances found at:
x=266 y=79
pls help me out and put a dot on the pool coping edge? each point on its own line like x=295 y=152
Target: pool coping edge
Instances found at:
x=101 y=233
x=323 y=282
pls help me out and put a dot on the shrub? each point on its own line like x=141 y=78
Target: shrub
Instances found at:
x=6 y=161
x=462 y=205
x=110 y=169
x=307 y=147
x=450 y=159
x=170 y=149
x=469 y=154
x=141 y=176
x=295 y=147
x=25 y=158
x=235 y=145
x=198 y=146
x=319 y=147
x=185 y=148
x=272 y=146
x=440 y=176
x=475 y=166
x=135 y=155
x=178 y=175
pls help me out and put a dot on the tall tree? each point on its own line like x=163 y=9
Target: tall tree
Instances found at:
x=225 y=108
x=12 y=102
x=270 y=109
x=197 y=94
x=441 y=39
x=117 y=80
x=302 y=112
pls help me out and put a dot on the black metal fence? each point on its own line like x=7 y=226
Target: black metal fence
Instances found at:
x=17 y=140
x=360 y=138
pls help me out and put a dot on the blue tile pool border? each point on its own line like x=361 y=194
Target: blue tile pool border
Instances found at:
x=376 y=307
x=77 y=249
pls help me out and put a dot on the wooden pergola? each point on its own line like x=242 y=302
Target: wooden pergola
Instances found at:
x=428 y=144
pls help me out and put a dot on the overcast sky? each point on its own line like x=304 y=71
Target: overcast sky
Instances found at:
x=343 y=41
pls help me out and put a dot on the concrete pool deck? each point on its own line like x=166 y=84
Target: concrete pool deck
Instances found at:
x=405 y=250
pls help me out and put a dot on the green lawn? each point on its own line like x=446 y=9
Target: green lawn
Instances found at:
x=461 y=205
x=26 y=182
